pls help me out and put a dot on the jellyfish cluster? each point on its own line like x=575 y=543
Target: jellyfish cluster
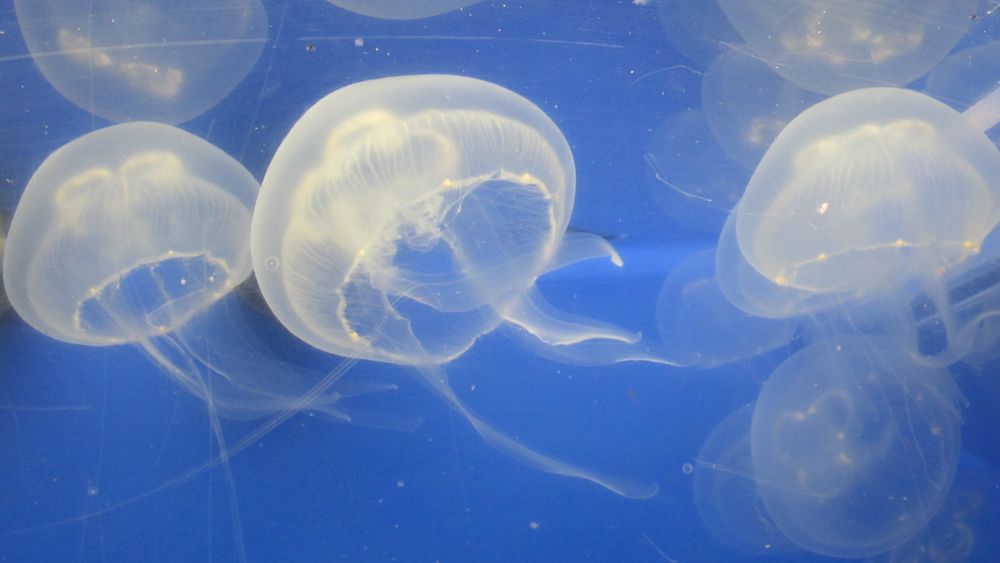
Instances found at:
x=844 y=162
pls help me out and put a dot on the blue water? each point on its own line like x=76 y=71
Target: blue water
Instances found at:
x=97 y=445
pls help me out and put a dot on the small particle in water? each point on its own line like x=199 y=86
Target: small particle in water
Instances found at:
x=687 y=469
x=92 y=491
x=534 y=525
x=400 y=484
x=310 y=47
x=359 y=42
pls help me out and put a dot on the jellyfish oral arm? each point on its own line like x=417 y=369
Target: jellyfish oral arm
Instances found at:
x=985 y=113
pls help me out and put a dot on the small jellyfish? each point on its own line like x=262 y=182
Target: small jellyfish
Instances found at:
x=692 y=179
x=403 y=218
x=700 y=327
x=854 y=446
x=747 y=104
x=402 y=9
x=698 y=29
x=725 y=490
x=864 y=196
x=128 y=60
x=832 y=46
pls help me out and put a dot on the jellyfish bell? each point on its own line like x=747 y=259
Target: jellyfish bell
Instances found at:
x=863 y=196
x=747 y=104
x=832 y=46
x=402 y=9
x=854 y=445
x=725 y=489
x=130 y=60
x=127 y=232
x=403 y=218
x=700 y=326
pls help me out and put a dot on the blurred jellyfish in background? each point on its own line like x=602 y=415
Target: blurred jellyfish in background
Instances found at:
x=402 y=9
x=832 y=46
x=854 y=446
x=700 y=327
x=403 y=218
x=699 y=30
x=725 y=490
x=747 y=104
x=694 y=182
x=127 y=60
x=874 y=195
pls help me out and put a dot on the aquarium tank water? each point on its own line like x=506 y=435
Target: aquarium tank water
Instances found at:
x=500 y=280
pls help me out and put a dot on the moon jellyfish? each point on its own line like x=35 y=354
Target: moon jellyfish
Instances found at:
x=700 y=327
x=698 y=29
x=129 y=207
x=402 y=9
x=129 y=60
x=403 y=218
x=747 y=104
x=854 y=446
x=725 y=490
x=864 y=196
x=831 y=46
x=692 y=179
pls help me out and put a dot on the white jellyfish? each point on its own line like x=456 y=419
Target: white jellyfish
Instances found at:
x=870 y=196
x=700 y=327
x=403 y=218
x=854 y=446
x=725 y=489
x=832 y=46
x=128 y=60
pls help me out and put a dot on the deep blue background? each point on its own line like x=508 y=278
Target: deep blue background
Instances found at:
x=89 y=435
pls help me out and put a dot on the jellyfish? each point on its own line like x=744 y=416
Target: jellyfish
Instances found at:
x=700 y=327
x=127 y=60
x=698 y=29
x=866 y=198
x=854 y=446
x=403 y=218
x=725 y=489
x=747 y=104
x=692 y=179
x=402 y=9
x=832 y=46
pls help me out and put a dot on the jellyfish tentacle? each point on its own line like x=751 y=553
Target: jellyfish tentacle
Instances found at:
x=436 y=378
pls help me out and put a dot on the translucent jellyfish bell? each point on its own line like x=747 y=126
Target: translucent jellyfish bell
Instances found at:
x=747 y=104
x=402 y=9
x=129 y=60
x=725 y=489
x=403 y=218
x=867 y=193
x=126 y=233
x=854 y=446
x=703 y=328
x=832 y=46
